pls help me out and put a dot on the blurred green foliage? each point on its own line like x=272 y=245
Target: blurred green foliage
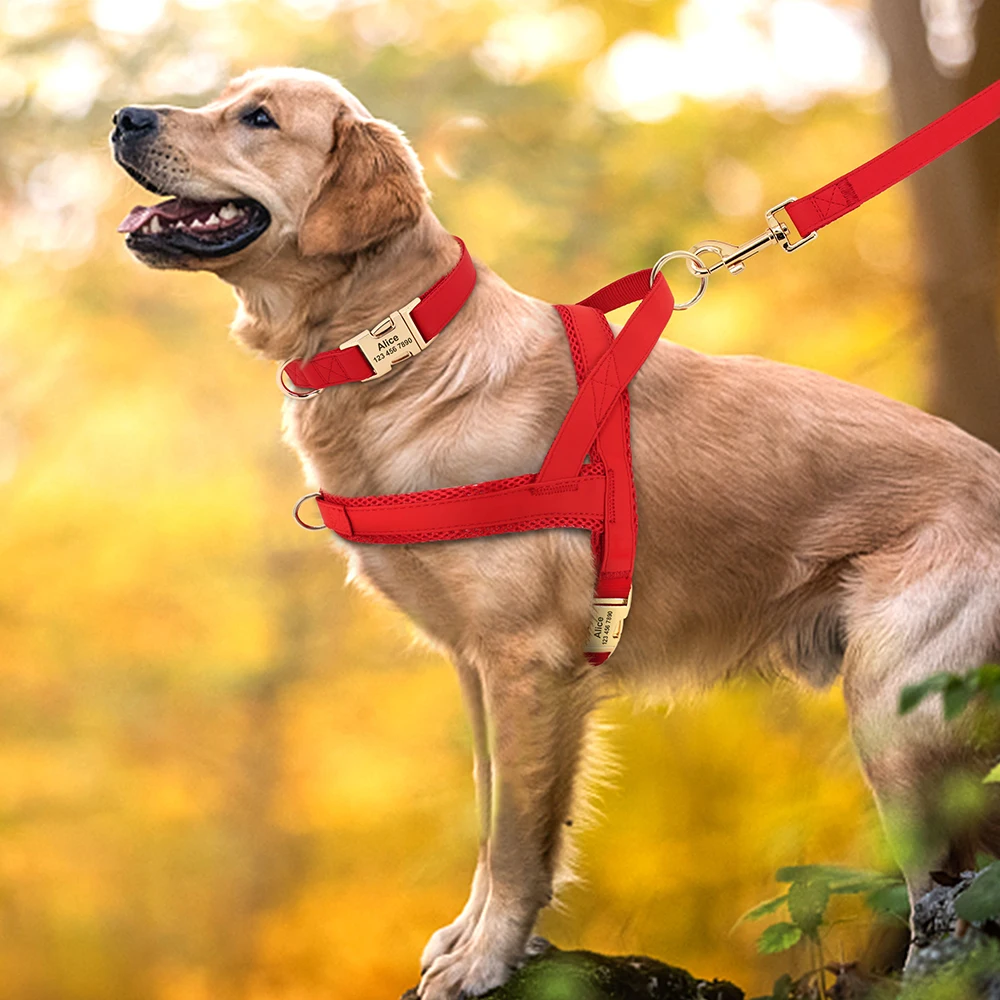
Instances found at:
x=956 y=690
x=810 y=888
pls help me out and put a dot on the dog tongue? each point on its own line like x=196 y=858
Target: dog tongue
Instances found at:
x=175 y=208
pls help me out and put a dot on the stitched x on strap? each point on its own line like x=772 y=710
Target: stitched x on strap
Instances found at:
x=836 y=199
x=607 y=380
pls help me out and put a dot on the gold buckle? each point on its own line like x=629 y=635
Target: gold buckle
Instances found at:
x=607 y=618
x=781 y=231
x=389 y=342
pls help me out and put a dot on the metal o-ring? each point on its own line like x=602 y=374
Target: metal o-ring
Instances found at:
x=291 y=393
x=701 y=274
x=299 y=521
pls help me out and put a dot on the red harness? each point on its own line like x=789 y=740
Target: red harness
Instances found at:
x=569 y=491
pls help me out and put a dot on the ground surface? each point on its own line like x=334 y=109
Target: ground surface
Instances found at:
x=552 y=974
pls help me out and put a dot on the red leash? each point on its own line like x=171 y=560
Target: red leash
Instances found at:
x=846 y=193
x=569 y=491
x=833 y=200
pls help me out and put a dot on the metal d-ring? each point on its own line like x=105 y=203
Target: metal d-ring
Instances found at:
x=701 y=274
x=299 y=521
x=291 y=393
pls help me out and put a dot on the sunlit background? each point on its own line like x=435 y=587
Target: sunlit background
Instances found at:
x=224 y=775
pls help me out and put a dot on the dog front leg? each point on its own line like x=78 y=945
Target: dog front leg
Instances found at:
x=538 y=713
x=447 y=938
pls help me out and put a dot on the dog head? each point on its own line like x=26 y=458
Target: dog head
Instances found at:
x=283 y=161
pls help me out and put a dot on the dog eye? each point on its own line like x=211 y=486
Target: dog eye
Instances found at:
x=258 y=118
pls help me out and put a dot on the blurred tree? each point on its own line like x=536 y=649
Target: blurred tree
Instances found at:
x=957 y=202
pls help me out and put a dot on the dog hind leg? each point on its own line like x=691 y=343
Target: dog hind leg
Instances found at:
x=925 y=771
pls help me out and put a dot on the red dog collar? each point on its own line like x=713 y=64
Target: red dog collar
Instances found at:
x=402 y=334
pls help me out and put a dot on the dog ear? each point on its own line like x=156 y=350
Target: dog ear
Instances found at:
x=371 y=189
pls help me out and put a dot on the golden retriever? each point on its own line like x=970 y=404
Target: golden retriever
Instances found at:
x=785 y=517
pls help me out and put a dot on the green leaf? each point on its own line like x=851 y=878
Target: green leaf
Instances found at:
x=782 y=989
x=807 y=903
x=987 y=678
x=778 y=937
x=762 y=909
x=981 y=901
x=891 y=899
x=839 y=880
x=812 y=873
x=913 y=694
x=957 y=695
x=993 y=776
x=864 y=883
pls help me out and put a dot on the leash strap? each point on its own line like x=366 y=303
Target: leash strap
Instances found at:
x=836 y=199
x=402 y=334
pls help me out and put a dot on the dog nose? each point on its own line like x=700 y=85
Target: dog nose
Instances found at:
x=135 y=123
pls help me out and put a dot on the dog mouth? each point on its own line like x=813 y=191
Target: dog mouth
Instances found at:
x=185 y=227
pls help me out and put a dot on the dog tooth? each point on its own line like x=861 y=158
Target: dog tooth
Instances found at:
x=197 y=224
x=212 y=220
x=228 y=212
x=153 y=226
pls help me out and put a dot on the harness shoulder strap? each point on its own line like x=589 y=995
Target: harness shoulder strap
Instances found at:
x=612 y=372
x=610 y=452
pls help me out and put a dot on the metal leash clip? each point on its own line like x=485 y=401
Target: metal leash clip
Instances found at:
x=731 y=256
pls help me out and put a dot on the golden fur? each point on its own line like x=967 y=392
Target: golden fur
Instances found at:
x=785 y=517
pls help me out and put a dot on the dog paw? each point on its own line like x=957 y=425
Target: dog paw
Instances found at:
x=447 y=939
x=469 y=970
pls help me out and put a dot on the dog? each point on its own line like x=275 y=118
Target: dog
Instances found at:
x=785 y=518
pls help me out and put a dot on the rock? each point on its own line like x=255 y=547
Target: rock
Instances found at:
x=949 y=950
x=934 y=914
x=549 y=973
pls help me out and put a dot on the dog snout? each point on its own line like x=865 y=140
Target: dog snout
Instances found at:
x=132 y=124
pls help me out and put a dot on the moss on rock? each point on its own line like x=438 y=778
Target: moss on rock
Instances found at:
x=552 y=974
